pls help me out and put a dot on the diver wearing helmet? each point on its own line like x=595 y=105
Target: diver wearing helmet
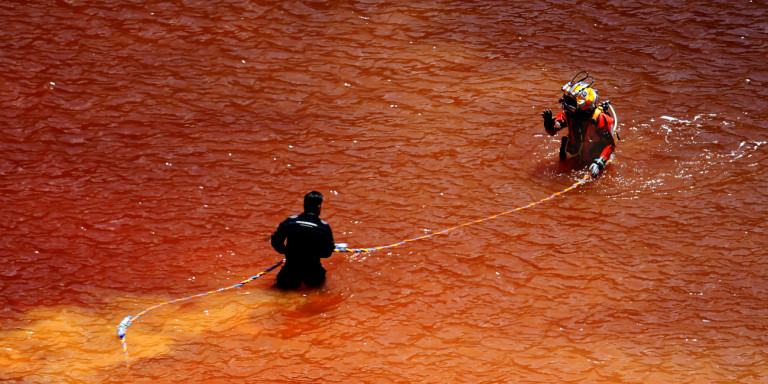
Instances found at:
x=590 y=138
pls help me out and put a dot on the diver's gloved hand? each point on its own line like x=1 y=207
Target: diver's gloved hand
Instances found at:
x=596 y=167
x=605 y=105
x=549 y=121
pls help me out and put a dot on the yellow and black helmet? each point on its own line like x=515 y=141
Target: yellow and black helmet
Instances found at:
x=578 y=95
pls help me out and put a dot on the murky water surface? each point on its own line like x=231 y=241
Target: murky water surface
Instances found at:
x=149 y=149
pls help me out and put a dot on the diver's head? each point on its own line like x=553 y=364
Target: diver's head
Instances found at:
x=578 y=95
x=312 y=202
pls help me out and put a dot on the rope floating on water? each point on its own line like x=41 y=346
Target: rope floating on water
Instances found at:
x=579 y=182
x=122 y=328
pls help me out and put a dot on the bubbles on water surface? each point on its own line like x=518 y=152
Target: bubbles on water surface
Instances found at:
x=675 y=154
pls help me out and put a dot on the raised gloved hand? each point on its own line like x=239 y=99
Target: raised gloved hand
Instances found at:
x=596 y=167
x=549 y=121
x=605 y=105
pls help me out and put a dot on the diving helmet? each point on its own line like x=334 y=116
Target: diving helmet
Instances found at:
x=578 y=95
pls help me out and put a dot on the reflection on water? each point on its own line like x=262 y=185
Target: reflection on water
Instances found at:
x=149 y=150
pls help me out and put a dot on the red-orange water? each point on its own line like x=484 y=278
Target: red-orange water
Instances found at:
x=149 y=149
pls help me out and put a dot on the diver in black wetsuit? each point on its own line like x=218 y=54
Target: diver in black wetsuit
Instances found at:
x=304 y=239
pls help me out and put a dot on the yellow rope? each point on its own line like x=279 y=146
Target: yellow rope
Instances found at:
x=579 y=182
x=122 y=328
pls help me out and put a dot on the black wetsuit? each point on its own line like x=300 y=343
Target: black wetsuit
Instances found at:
x=304 y=240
